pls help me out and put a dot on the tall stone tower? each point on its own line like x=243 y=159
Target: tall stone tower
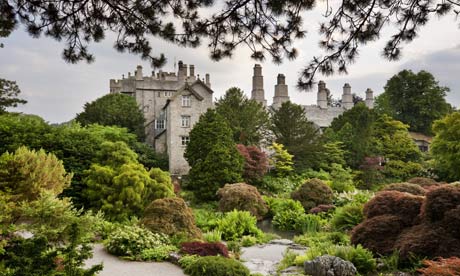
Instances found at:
x=281 y=92
x=369 y=98
x=347 y=97
x=258 y=93
x=322 y=95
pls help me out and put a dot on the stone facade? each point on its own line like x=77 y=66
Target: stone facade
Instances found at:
x=172 y=103
x=320 y=114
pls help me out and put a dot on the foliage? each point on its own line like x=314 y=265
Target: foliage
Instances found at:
x=114 y=110
x=171 y=216
x=212 y=236
x=158 y=253
x=440 y=201
x=213 y=156
x=247 y=241
x=131 y=241
x=319 y=238
x=204 y=249
x=415 y=99
x=247 y=118
x=441 y=267
x=445 y=147
x=243 y=197
x=216 y=266
x=205 y=219
x=313 y=193
x=285 y=212
x=309 y=223
x=299 y=136
x=9 y=92
x=121 y=187
x=405 y=187
x=322 y=208
x=236 y=224
x=280 y=185
x=26 y=174
x=255 y=163
x=347 y=217
x=281 y=160
x=342 y=179
x=186 y=260
x=403 y=205
x=397 y=170
x=356 y=196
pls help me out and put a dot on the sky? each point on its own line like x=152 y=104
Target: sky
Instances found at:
x=57 y=91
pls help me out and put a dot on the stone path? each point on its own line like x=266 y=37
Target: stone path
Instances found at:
x=114 y=266
x=265 y=258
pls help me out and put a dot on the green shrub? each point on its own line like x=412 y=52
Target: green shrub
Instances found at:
x=279 y=185
x=236 y=224
x=171 y=216
x=342 y=179
x=319 y=238
x=206 y=219
x=235 y=248
x=131 y=241
x=158 y=253
x=247 y=241
x=216 y=266
x=313 y=193
x=213 y=236
x=356 y=196
x=285 y=212
x=347 y=217
x=243 y=197
x=187 y=260
x=309 y=223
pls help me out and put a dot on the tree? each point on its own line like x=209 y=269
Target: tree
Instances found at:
x=121 y=187
x=114 y=110
x=299 y=136
x=27 y=174
x=212 y=155
x=446 y=147
x=247 y=118
x=264 y=26
x=415 y=99
x=281 y=160
x=9 y=91
x=255 y=163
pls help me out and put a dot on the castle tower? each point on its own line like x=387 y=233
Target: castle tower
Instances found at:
x=322 y=95
x=281 y=92
x=258 y=86
x=369 y=98
x=347 y=97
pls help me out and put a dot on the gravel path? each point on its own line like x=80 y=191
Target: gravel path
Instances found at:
x=114 y=266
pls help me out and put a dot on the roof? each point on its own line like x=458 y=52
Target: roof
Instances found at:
x=188 y=88
x=420 y=137
x=322 y=117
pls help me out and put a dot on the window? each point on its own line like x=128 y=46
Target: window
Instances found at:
x=168 y=93
x=186 y=100
x=185 y=121
x=184 y=140
x=159 y=124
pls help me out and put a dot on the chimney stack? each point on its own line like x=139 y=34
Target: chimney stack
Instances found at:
x=370 y=98
x=138 y=73
x=258 y=93
x=322 y=95
x=281 y=92
x=347 y=97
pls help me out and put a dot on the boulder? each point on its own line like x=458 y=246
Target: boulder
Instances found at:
x=329 y=266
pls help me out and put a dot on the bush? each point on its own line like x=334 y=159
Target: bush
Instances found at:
x=342 y=179
x=204 y=249
x=247 y=241
x=347 y=217
x=441 y=267
x=356 y=196
x=439 y=201
x=158 y=253
x=206 y=220
x=131 y=241
x=187 y=260
x=423 y=181
x=216 y=266
x=278 y=185
x=323 y=208
x=285 y=212
x=378 y=234
x=405 y=206
x=213 y=236
x=236 y=224
x=171 y=216
x=313 y=193
x=405 y=187
x=26 y=174
x=243 y=197
x=320 y=238
x=255 y=163
x=309 y=223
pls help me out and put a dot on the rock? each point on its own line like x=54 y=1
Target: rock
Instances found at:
x=292 y=270
x=282 y=242
x=329 y=266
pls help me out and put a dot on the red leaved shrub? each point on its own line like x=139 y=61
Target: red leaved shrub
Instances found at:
x=405 y=187
x=423 y=181
x=322 y=208
x=441 y=267
x=243 y=197
x=204 y=249
x=451 y=222
x=440 y=201
x=255 y=162
x=378 y=234
x=312 y=193
x=403 y=205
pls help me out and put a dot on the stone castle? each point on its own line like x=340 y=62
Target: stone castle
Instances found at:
x=172 y=103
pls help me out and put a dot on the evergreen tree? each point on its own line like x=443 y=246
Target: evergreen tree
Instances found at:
x=299 y=136
x=212 y=155
x=114 y=110
x=415 y=99
x=247 y=118
x=9 y=92
x=281 y=160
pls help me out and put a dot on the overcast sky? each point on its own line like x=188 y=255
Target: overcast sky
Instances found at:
x=57 y=91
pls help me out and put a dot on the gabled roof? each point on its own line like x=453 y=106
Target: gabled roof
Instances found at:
x=185 y=87
x=198 y=81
